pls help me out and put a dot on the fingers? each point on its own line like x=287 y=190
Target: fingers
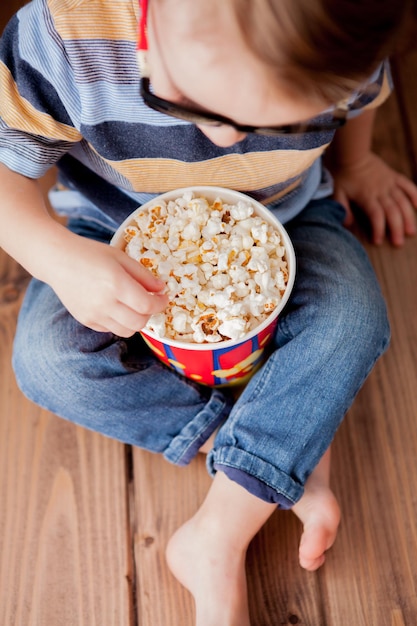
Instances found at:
x=114 y=327
x=388 y=198
x=106 y=290
x=390 y=207
x=398 y=204
x=123 y=301
x=341 y=197
x=394 y=222
x=124 y=329
x=349 y=219
x=393 y=213
x=131 y=311
x=137 y=271
x=121 y=321
x=126 y=322
x=135 y=297
x=376 y=215
x=139 y=295
x=409 y=189
x=401 y=216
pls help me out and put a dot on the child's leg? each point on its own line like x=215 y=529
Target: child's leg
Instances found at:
x=333 y=330
x=319 y=512
x=208 y=553
x=317 y=509
x=281 y=426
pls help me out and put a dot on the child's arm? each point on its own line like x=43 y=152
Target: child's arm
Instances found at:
x=387 y=197
x=100 y=285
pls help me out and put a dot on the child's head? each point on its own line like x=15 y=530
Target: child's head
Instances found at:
x=322 y=46
x=266 y=62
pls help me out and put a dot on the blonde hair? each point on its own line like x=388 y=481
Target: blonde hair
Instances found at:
x=323 y=48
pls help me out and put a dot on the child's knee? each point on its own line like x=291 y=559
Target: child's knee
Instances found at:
x=366 y=319
x=358 y=327
x=38 y=360
x=46 y=344
x=348 y=323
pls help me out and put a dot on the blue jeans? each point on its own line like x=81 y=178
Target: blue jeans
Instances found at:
x=269 y=440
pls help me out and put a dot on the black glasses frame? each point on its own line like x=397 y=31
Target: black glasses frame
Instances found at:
x=204 y=118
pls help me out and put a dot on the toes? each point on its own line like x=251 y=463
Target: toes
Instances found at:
x=314 y=543
x=312 y=564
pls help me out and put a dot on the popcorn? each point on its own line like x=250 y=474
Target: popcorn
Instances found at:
x=224 y=267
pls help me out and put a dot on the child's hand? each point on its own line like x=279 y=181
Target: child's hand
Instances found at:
x=388 y=198
x=104 y=289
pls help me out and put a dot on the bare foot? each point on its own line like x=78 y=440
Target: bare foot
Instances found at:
x=320 y=514
x=212 y=571
x=319 y=511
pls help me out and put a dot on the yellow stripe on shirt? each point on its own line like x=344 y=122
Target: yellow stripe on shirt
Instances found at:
x=19 y=114
x=251 y=171
x=96 y=19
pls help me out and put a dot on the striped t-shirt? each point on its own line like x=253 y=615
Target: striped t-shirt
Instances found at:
x=69 y=86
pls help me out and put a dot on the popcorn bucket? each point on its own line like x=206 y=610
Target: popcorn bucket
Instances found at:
x=228 y=362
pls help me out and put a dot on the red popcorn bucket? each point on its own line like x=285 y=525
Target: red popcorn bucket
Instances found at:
x=230 y=361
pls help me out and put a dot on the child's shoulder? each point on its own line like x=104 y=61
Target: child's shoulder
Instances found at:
x=94 y=19
x=63 y=6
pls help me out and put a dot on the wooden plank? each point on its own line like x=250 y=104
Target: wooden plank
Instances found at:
x=164 y=497
x=404 y=69
x=371 y=569
x=280 y=592
x=64 y=540
x=7 y=9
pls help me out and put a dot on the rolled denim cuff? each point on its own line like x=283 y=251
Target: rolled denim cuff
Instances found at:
x=258 y=477
x=184 y=447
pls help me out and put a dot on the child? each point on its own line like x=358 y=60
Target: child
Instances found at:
x=225 y=86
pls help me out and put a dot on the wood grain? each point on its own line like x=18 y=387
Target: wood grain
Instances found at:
x=64 y=533
x=164 y=497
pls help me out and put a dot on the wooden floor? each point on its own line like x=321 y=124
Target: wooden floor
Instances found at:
x=84 y=520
